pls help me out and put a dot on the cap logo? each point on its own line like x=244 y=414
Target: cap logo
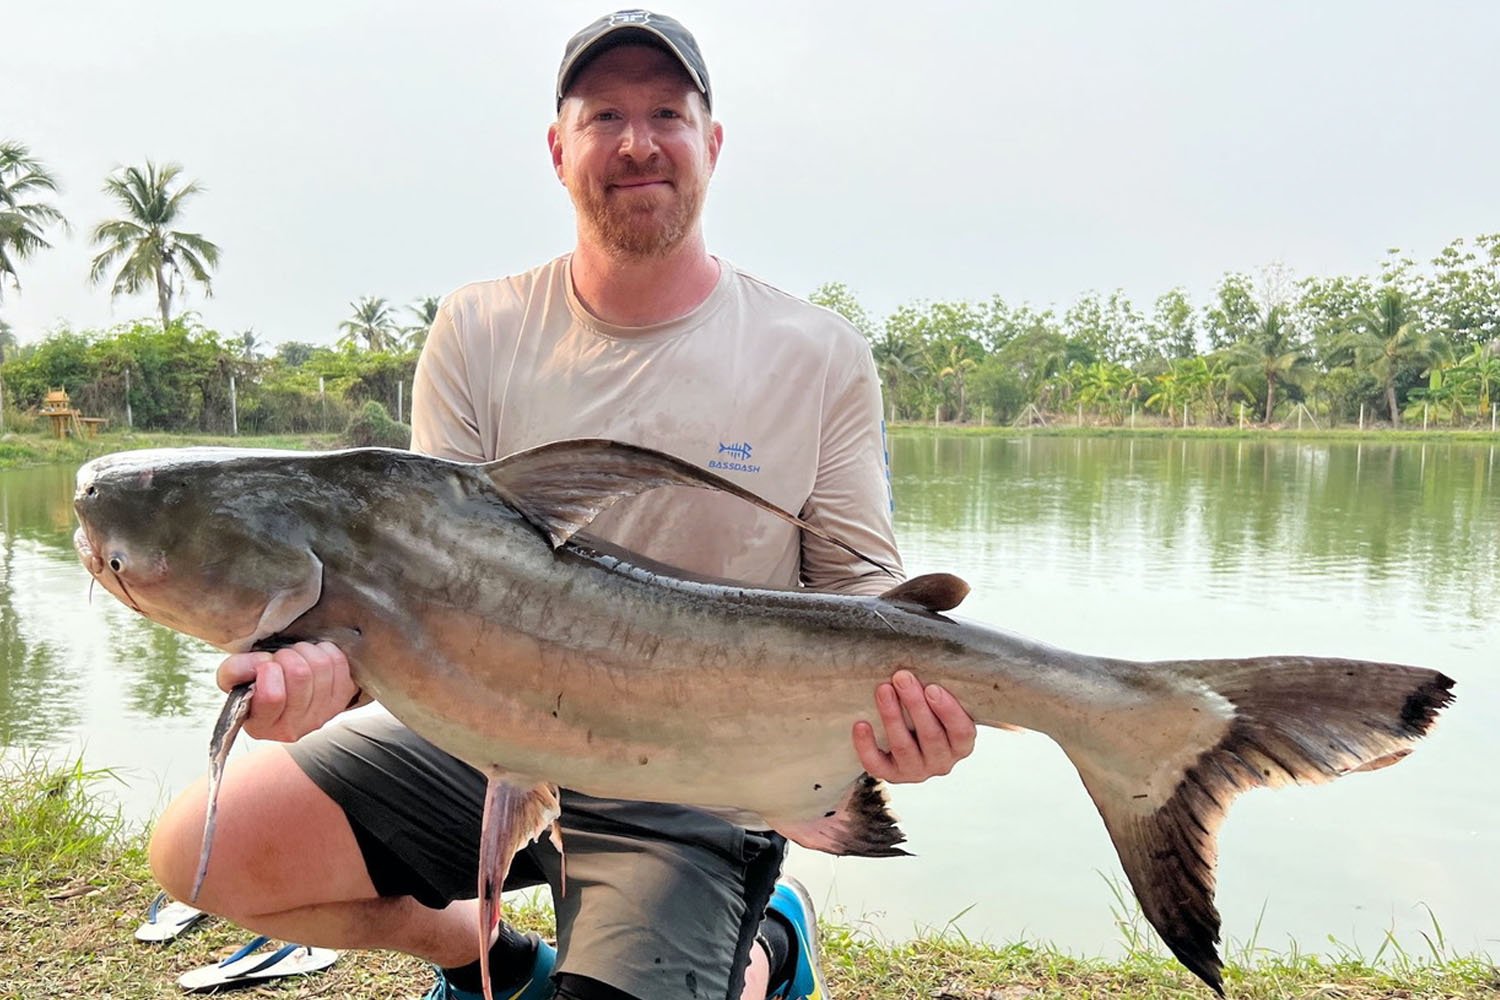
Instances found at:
x=630 y=17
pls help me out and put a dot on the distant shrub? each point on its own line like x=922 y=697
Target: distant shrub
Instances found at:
x=372 y=427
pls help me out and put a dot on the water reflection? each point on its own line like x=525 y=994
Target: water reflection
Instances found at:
x=1257 y=514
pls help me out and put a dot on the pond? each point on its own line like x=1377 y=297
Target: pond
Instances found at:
x=1149 y=548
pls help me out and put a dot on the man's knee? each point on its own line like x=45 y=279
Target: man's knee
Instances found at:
x=279 y=841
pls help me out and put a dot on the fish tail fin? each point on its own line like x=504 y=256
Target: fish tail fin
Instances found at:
x=1236 y=725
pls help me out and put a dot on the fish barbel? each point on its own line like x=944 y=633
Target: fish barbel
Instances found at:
x=469 y=605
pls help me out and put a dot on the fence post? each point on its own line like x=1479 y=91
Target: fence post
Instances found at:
x=1424 y=416
x=2 y=406
x=323 y=404
x=129 y=417
x=234 y=413
x=1361 y=416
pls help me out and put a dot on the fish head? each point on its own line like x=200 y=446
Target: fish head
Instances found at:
x=200 y=540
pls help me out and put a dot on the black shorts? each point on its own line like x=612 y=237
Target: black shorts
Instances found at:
x=662 y=902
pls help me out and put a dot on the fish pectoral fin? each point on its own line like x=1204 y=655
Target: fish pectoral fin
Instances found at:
x=561 y=487
x=514 y=815
x=929 y=592
x=860 y=824
x=286 y=606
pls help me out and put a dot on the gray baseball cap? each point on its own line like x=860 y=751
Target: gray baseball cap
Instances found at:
x=640 y=27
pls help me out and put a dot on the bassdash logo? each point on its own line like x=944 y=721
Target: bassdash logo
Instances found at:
x=740 y=451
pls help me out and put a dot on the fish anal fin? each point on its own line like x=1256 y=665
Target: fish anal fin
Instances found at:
x=514 y=815
x=930 y=592
x=860 y=824
x=561 y=487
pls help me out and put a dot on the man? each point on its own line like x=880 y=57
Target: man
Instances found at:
x=363 y=835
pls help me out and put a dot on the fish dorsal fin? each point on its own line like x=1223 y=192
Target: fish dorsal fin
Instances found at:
x=561 y=487
x=930 y=592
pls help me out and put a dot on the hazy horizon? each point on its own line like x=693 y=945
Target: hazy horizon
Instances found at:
x=958 y=152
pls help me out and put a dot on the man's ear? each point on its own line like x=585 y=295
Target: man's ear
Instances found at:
x=554 y=146
x=715 y=143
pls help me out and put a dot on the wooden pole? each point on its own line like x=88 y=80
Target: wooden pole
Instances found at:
x=400 y=389
x=129 y=417
x=1361 y=416
x=234 y=410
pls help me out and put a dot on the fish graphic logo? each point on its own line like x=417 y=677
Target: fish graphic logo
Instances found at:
x=740 y=451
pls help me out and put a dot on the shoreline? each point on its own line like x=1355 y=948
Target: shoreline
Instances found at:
x=74 y=882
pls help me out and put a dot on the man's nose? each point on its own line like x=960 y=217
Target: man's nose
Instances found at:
x=637 y=140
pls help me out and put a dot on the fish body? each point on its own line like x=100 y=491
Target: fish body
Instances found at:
x=469 y=604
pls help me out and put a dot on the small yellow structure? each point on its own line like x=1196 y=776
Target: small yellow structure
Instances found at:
x=65 y=419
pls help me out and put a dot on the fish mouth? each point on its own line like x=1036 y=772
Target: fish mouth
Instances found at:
x=88 y=554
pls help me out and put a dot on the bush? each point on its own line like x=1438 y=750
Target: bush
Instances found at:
x=372 y=427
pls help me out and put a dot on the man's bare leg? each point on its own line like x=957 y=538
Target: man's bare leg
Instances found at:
x=286 y=864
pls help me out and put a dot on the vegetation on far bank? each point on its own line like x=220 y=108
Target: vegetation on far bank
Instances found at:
x=74 y=883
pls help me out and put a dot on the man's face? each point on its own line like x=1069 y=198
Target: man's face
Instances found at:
x=635 y=148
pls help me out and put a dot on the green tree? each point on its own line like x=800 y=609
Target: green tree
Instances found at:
x=23 y=219
x=294 y=353
x=1172 y=332
x=1388 y=342
x=835 y=295
x=247 y=345
x=150 y=252
x=424 y=312
x=7 y=339
x=372 y=323
x=1234 y=314
x=1477 y=375
x=1270 y=353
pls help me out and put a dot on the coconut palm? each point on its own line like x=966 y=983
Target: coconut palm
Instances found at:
x=425 y=310
x=246 y=344
x=1387 y=341
x=22 y=219
x=1270 y=352
x=151 y=252
x=372 y=322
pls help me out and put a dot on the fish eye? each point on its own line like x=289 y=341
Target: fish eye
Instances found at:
x=91 y=490
x=116 y=563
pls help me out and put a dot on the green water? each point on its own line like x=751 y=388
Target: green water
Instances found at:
x=1145 y=548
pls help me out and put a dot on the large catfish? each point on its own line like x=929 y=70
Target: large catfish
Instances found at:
x=469 y=605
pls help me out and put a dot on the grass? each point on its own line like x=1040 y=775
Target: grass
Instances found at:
x=1155 y=430
x=74 y=883
x=20 y=449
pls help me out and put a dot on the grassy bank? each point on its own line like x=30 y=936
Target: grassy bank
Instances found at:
x=1383 y=435
x=74 y=884
x=18 y=450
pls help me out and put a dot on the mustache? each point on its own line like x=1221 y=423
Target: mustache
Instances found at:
x=630 y=170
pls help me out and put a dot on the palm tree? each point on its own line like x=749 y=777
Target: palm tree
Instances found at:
x=153 y=254
x=21 y=219
x=7 y=339
x=898 y=361
x=1387 y=342
x=247 y=344
x=371 y=323
x=425 y=310
x=1270 y=352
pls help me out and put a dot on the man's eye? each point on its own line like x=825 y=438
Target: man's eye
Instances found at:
x=667 y=113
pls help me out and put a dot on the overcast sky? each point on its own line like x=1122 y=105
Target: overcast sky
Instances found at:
x=939 y=150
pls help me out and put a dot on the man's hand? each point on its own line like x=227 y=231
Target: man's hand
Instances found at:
x=927 y=731
x=297 y=689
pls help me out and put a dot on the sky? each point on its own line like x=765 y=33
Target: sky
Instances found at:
x=914 y=152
